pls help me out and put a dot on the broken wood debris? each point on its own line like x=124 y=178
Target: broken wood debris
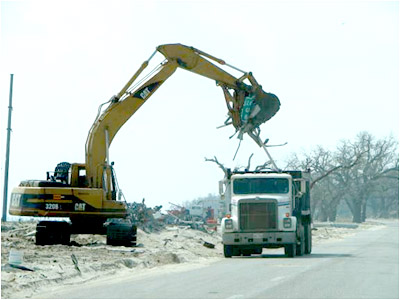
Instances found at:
x=75 y=261
x=208 y=245
x=23 y=268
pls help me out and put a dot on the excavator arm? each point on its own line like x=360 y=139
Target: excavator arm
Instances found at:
x=248 y=105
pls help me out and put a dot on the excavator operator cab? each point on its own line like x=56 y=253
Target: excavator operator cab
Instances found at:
x=69 y=174
x=61 y=173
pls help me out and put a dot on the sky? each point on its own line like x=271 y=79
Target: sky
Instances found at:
x=333 y=64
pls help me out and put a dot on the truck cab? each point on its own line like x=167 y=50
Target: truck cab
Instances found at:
x=266 y=210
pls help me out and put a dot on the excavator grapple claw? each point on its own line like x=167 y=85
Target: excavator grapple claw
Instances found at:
x=269 y=105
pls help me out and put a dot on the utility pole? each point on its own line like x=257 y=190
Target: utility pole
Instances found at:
x=4 y=216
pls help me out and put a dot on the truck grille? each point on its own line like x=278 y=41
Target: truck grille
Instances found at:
x=258 y=216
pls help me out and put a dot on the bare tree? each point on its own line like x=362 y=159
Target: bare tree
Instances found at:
x=384 y=201
x=322 y=163
x=378 y=159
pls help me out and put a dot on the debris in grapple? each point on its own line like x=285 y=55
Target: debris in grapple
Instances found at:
x=257 y=109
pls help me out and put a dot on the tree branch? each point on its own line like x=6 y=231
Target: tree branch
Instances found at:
x=336 y=168
x=264 y=166
x=248 y=163
x=215 y=160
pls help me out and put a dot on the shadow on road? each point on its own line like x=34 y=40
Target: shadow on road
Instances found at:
x=312 y=255
x=325 y=255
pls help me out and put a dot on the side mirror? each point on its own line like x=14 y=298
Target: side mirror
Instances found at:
x=301 y=184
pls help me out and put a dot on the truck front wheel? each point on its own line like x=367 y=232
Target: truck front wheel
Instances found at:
x=247 y=252
x=228 y=251
x=258 y=251
x=290 y=250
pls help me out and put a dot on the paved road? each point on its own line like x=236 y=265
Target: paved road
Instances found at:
x=365 y=265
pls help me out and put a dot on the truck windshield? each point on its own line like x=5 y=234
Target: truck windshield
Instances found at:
x=243 y=186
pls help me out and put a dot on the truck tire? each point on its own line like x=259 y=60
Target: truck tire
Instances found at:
x=290 y=250
x=236 y=251
x=258 y=250
x=308 y=239
x=300 y=246
x=228 y=251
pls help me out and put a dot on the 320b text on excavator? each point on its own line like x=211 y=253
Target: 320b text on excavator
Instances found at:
x=88 y=193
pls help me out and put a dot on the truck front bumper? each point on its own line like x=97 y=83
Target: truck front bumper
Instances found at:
x=274 y=238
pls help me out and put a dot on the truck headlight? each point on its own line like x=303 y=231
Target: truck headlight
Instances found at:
x=287 y=222
x=228 y=224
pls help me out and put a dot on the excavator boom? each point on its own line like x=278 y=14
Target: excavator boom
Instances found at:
x=263 y=105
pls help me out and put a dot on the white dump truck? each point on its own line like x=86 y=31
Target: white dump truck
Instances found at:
x=266 y=209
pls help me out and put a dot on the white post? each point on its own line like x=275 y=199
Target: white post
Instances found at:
x=5 y=195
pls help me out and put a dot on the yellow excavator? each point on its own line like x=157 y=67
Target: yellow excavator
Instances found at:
x=88 y=193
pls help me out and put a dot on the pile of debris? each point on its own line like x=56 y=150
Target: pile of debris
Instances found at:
x=146 y=218
x=153 y=220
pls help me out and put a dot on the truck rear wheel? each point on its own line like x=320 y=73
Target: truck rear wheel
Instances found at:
x=308 y=239
x=228 y=251
x=300 y=247
x=247 y=252
x=290 y=250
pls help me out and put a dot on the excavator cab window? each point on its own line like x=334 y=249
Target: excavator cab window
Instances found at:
x=62 y=172
x=82 y=177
